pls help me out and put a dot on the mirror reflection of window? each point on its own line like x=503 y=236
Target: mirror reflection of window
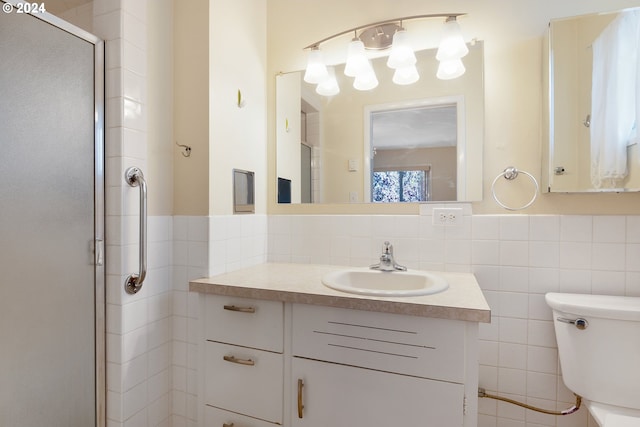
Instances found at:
x=400 y=186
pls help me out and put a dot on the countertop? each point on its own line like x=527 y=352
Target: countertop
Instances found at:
x=301 y=283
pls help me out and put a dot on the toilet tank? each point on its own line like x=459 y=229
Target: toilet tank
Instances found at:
x=601 y=362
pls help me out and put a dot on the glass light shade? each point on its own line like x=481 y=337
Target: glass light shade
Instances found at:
x=357 y=62
x=402 y=54
x=316 y=70
x=366 y=81
x=406 y=75
x=452 y=45
x=450 y=69
x=329 y=86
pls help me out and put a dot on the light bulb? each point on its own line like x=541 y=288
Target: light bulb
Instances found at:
x=366 y=81
x=406 y=75
x=450 y=69
x=357 y=61
x=316 y=70
x=452 y=45
x=329 y=86
x=402 y=54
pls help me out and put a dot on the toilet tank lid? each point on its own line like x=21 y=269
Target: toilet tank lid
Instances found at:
x=604 y=306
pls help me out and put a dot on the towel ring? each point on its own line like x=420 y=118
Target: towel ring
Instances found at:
x=510 y=174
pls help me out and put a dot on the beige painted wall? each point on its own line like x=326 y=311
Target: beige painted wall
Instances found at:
x=237 y=136
x=159 y=103
x=220 y=49
x=191 y=106
x=513 y=33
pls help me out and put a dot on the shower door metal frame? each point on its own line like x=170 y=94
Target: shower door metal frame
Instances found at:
x=99 y=206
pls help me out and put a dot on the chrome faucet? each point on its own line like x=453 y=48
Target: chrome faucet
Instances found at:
x=387 y=262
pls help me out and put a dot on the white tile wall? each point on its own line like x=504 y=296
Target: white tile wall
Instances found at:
x=203 y=246
x=139 y=337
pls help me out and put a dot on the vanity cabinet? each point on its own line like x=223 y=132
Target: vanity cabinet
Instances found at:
x=243 y=362
x=299 y=365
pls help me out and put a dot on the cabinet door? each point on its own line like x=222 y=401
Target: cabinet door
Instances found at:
x=338 y=395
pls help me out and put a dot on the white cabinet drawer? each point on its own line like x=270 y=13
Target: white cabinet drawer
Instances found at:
x=422 y=347
x=215 y=417
x=249 y=382
x=245 y=322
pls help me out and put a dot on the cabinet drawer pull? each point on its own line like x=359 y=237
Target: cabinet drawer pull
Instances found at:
x=233 y=359
x=227 y=425
x=240 y=309
x=300 y=405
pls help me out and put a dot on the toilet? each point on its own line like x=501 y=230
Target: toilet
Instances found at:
x=599 y=347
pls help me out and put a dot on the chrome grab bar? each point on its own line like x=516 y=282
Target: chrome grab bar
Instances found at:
x=134 y=177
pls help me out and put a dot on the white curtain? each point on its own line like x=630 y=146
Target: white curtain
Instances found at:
x=615 y=98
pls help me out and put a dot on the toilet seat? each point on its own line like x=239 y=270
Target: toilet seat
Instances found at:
x=613 y=416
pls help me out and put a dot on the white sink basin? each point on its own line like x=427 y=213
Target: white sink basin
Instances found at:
x=387 y=284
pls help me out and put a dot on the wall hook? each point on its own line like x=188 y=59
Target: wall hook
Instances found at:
x=186 y=150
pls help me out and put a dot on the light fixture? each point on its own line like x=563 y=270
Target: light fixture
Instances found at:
x=406 y=75
x=402 y=54
x=450 y=69
x=316 y=69
x=357 y=61
x=452 y=45
x=329 y=86
x=366 y=81
x=382 y=35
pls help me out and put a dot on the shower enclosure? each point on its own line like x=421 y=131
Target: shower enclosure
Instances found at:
x=51 y=223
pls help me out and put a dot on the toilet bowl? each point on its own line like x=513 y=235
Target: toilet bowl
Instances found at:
x=598 y=340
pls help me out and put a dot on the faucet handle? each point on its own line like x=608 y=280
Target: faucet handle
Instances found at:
x=387 y=247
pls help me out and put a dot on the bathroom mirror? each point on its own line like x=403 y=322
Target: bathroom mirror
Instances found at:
x=592 y=121
x=324 y=152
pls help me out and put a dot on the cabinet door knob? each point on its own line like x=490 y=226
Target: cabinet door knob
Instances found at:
x=233 y=359
x=300 y=405
x=240 y=309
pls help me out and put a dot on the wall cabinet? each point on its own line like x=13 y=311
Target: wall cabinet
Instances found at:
x=303 y=365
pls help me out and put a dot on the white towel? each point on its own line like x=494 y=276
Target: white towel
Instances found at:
x=615 y=93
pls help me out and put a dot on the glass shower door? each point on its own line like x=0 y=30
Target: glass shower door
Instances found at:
x=50 y=218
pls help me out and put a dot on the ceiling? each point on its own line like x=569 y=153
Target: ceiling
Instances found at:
x=431 y=126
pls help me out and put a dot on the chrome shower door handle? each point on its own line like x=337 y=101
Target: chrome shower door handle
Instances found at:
x=134 y=177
